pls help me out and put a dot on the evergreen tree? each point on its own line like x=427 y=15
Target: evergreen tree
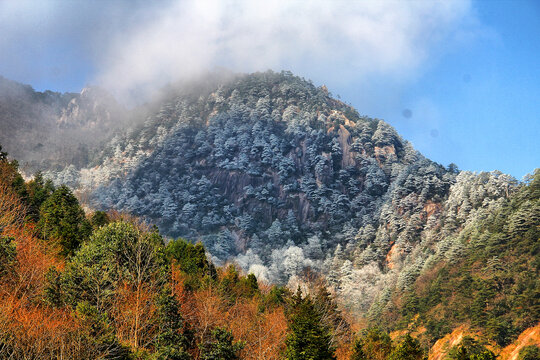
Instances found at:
x=191 y=258
x=471 y=349
x=53 y=294
x=252 y=285
x=8 y=255
x=531 y=352
x=408 y=349
x=308 y=339
x=221 y=346
x=171 y=342
x=372 y=345
x=62 y=219
x=99 y=337
x=99 y=218
x=39 y=191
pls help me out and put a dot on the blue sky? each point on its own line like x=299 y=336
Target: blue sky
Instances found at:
x=459 y=79
x=480 y=106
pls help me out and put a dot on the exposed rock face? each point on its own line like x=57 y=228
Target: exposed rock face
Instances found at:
x=529 y=337
x=93 y=108
x=345 y=140
x=442 y=347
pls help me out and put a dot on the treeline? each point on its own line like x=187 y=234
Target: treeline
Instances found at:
x=107 y=286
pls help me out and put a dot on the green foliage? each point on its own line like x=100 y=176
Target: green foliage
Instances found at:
x=99 y=219
x=39 y=191
x=98 y=333
x=230 y=285
x=308 y=339
x=531 y=352
x=373 y=344
x=62 y=219
x=453 y=168
x=8 y=255
x=276 y=296
x=251 y=284
x=92 y=274
x=486 y=355
x=408 y=349
x=117 y=251
x=494 y=283
x=331 y=316
x=234 y=286
x=10 y=175
x=436 y=329
x=171 y=343
x=53 y=294
x=220 y=346
x=471 y=349
x=191 y=258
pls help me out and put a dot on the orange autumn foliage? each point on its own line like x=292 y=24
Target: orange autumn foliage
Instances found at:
x=134 y=315
x=263 y=333
x=33 y=329
x=263 y=330
x=36 y=330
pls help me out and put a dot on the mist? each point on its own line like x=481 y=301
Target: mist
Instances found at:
x=342 y=40
x=134 y=48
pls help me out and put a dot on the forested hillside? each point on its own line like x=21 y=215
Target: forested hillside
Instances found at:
x=487 y=277
x=271 y=170
x=107 y=286
x=271 y=173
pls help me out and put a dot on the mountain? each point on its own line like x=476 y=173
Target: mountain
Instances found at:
x=273 y=173
x=267 y=167
x=49 y=130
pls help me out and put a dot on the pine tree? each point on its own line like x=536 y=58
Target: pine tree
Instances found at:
x=98 y=336
x=171 y=342
x=308 y=339
x=530 y=352
x=372 y=345
x=39 y=191
x=99 y=219
x=471 y=349
x=407 y=349
x=62 y=219
x=8 y=255
x=221 y=346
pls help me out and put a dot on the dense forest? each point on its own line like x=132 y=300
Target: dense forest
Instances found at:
x=311 y=230
x=107 y=286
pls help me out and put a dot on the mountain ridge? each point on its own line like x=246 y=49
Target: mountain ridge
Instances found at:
x=271 y=172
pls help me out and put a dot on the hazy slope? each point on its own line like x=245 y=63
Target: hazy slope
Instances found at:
x=45 y=130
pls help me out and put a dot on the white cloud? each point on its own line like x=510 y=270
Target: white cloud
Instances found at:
x=136 y=45
x=344 y=39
